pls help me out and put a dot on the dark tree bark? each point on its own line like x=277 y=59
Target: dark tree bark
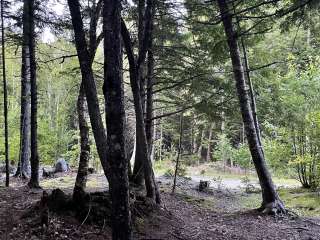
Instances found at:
x=141 y=140
x=115 y=120
x=81 y=179
x=271 y=202
x=149 y=101
x=138 y=173
x=251 y=91
x=34 y=157
x=179 y=153
x=5 y=94
x=24 y=154
x=98 y=129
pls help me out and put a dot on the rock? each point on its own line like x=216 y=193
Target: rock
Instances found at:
x=47 y=173
x=61 y=166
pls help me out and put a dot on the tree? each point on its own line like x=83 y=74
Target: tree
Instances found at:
x=271 y=200
x=5 y=94
x=98 y=129
x=116 y=168
x=82 y=173
x=24 y=153
x=142 y=152
x=115 y=120
x=145 y=21
x=29 y=39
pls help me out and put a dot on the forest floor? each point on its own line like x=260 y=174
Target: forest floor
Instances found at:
x=219 y=213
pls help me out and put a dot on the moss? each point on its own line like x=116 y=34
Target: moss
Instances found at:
x=162 y=167
x=250 y=201
x=302 y=201
x=198 y=201
x=60 y=182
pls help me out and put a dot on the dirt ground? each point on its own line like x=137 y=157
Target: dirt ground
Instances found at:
x=185 y=215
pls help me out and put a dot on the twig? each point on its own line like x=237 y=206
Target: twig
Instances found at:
x=87 y=213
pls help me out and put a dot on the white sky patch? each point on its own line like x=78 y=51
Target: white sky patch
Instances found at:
x=55 y=5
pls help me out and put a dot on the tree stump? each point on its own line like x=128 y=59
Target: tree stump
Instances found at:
x=203 y=185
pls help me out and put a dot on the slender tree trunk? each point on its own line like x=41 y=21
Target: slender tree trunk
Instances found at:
x=34 y=157
x=24 y=153
x=84 y=158
x=161 y=139
x=138 y=173
x=271 y=201
x=179 y=153
x=200 y=145
x=141 y=139
x=5 y=95
x=208 y=158
x=115 y=120
x=149 y=102
x=98 y=129
x=81 y=179
x=251 y=91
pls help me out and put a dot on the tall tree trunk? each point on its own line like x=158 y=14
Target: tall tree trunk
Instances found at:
x=200 y=145
x=271 y=201
x=115 y=120
x=141 y=139
x=251 y=91
x=149 y=102
x=5 y=94
x=161 y=138
x=209 y=148
x=179 y=153
x=81 y=179
x=24 y=153
x=98 y=129
x=138 y=173
x=84 y=158
x=34 y=157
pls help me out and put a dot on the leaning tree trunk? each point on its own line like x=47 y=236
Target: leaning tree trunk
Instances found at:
x=34 y=157
x=81 y=179
x=141 y=140
x=89 y=85
x=5 y=95
x=271 y=201
x=115 y=120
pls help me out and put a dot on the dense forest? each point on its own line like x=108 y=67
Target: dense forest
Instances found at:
x=160 y=119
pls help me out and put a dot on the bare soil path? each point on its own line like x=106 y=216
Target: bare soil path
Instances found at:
x=186 y=215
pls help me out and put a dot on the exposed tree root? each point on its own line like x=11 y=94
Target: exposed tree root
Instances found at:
x=34 y=185
x=274 y=208
x=95 y=208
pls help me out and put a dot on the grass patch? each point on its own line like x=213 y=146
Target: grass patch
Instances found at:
x=60 y=182
x=162 y=167
x=303 y=201
x=198 y=201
